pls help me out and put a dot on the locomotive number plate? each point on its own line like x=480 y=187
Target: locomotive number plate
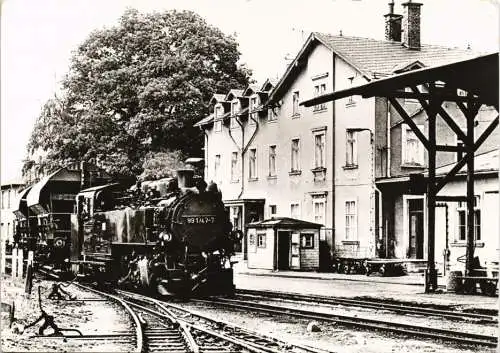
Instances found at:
x=200 y=219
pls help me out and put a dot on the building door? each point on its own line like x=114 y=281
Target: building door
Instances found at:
x=283 y=250
x=235 y=213
x=416 y=228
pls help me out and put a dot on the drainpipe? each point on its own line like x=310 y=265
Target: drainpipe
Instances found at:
x=244 y=149
x=380 y=226
x=388 y=157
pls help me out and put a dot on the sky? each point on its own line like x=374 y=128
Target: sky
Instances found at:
x=38 y=37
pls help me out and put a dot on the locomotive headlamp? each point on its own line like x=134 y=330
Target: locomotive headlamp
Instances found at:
x=165 y=236
x=59 y=243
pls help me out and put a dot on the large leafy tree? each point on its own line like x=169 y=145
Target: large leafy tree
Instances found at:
x=137 y=88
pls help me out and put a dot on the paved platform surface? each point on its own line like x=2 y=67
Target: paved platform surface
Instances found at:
x=404 y=288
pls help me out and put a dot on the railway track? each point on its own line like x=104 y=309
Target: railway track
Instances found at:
x=204 y=334
x=359 y=322
x=371 y=304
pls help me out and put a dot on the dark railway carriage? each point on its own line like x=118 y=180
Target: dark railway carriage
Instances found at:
x=174 y=239
x=44 y=211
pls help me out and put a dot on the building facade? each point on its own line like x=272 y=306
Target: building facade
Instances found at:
x=343 y=164
x=8 y=205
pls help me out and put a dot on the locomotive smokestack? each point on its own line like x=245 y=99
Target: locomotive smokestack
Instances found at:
x=185 y=178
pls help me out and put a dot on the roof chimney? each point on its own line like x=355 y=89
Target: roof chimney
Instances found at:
x=392 y=24
x=411 y=25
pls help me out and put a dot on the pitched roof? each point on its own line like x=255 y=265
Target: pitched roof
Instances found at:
x=218 y=97
x=205 y=121
x=235 y=93
x=372 y=56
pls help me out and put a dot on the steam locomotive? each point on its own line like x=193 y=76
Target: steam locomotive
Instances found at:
x=174 y=239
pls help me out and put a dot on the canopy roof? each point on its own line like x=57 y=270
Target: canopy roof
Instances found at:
x=21 y=209
x=63 y=174
x=478 y=76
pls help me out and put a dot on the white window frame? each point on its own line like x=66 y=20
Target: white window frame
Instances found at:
x=462 y=209
x=217 y=164
x=272 y=160
x=320 y=155
x=298 y=213
x=351 y=227
x=296 y=159
x=404 y=146
x=351 y=145
x=252 y=164
x=234 y=167
x=319 y=218
x=319 y=90
x=295 y=104
x=261 y=240
x=218 y=125
x=304 y=244
x=233 y=123
x=253 y=103
x=271 y=213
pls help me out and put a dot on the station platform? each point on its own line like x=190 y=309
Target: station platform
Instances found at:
x=407 y=288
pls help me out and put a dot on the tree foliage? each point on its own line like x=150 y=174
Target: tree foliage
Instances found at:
x=138 y=88
x=162 y=165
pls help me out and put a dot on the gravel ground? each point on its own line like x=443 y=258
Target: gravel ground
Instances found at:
x=332 y=337
x=422 y=320
x=89 y=317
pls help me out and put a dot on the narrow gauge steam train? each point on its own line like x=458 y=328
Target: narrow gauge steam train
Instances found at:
x=173 y=240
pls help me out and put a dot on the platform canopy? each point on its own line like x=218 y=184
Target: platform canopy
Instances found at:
x=469 y=84
x=477 y=76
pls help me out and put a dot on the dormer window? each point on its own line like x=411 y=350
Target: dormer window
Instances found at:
x=252 y=108
x=218 y=112
x=234 y=108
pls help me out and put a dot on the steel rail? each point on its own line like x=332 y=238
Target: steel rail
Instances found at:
x=375 y=304
x=254 y=347
x=414 y=330
x=138 y=327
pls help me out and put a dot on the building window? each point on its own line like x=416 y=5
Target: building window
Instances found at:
x=252 y=110
x=261 y=240
x=295 y=210
x=351 y=224
x=413 y=150
x=272 y=115
x=319 y=90
x=462 y=220
x=4 y=199
x=253 y=164
x=295 y=155
x=307 y=240
x=272 y=210
x=251 y=239
x=234 y=166
x=272 y=160
x=218 y=125
x=411 y=100
x=234 y=108
x=216 y=167
x=218 y=112
x=351 y=158
x=319 y=150
x=295 y=103
x=233 y=123
x=319 y=210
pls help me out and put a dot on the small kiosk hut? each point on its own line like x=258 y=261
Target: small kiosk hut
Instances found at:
x=283 y=244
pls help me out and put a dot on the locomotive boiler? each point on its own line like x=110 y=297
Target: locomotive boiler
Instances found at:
x=172 y=239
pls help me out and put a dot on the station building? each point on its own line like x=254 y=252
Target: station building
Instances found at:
x=342 y=164
x=8 y=205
